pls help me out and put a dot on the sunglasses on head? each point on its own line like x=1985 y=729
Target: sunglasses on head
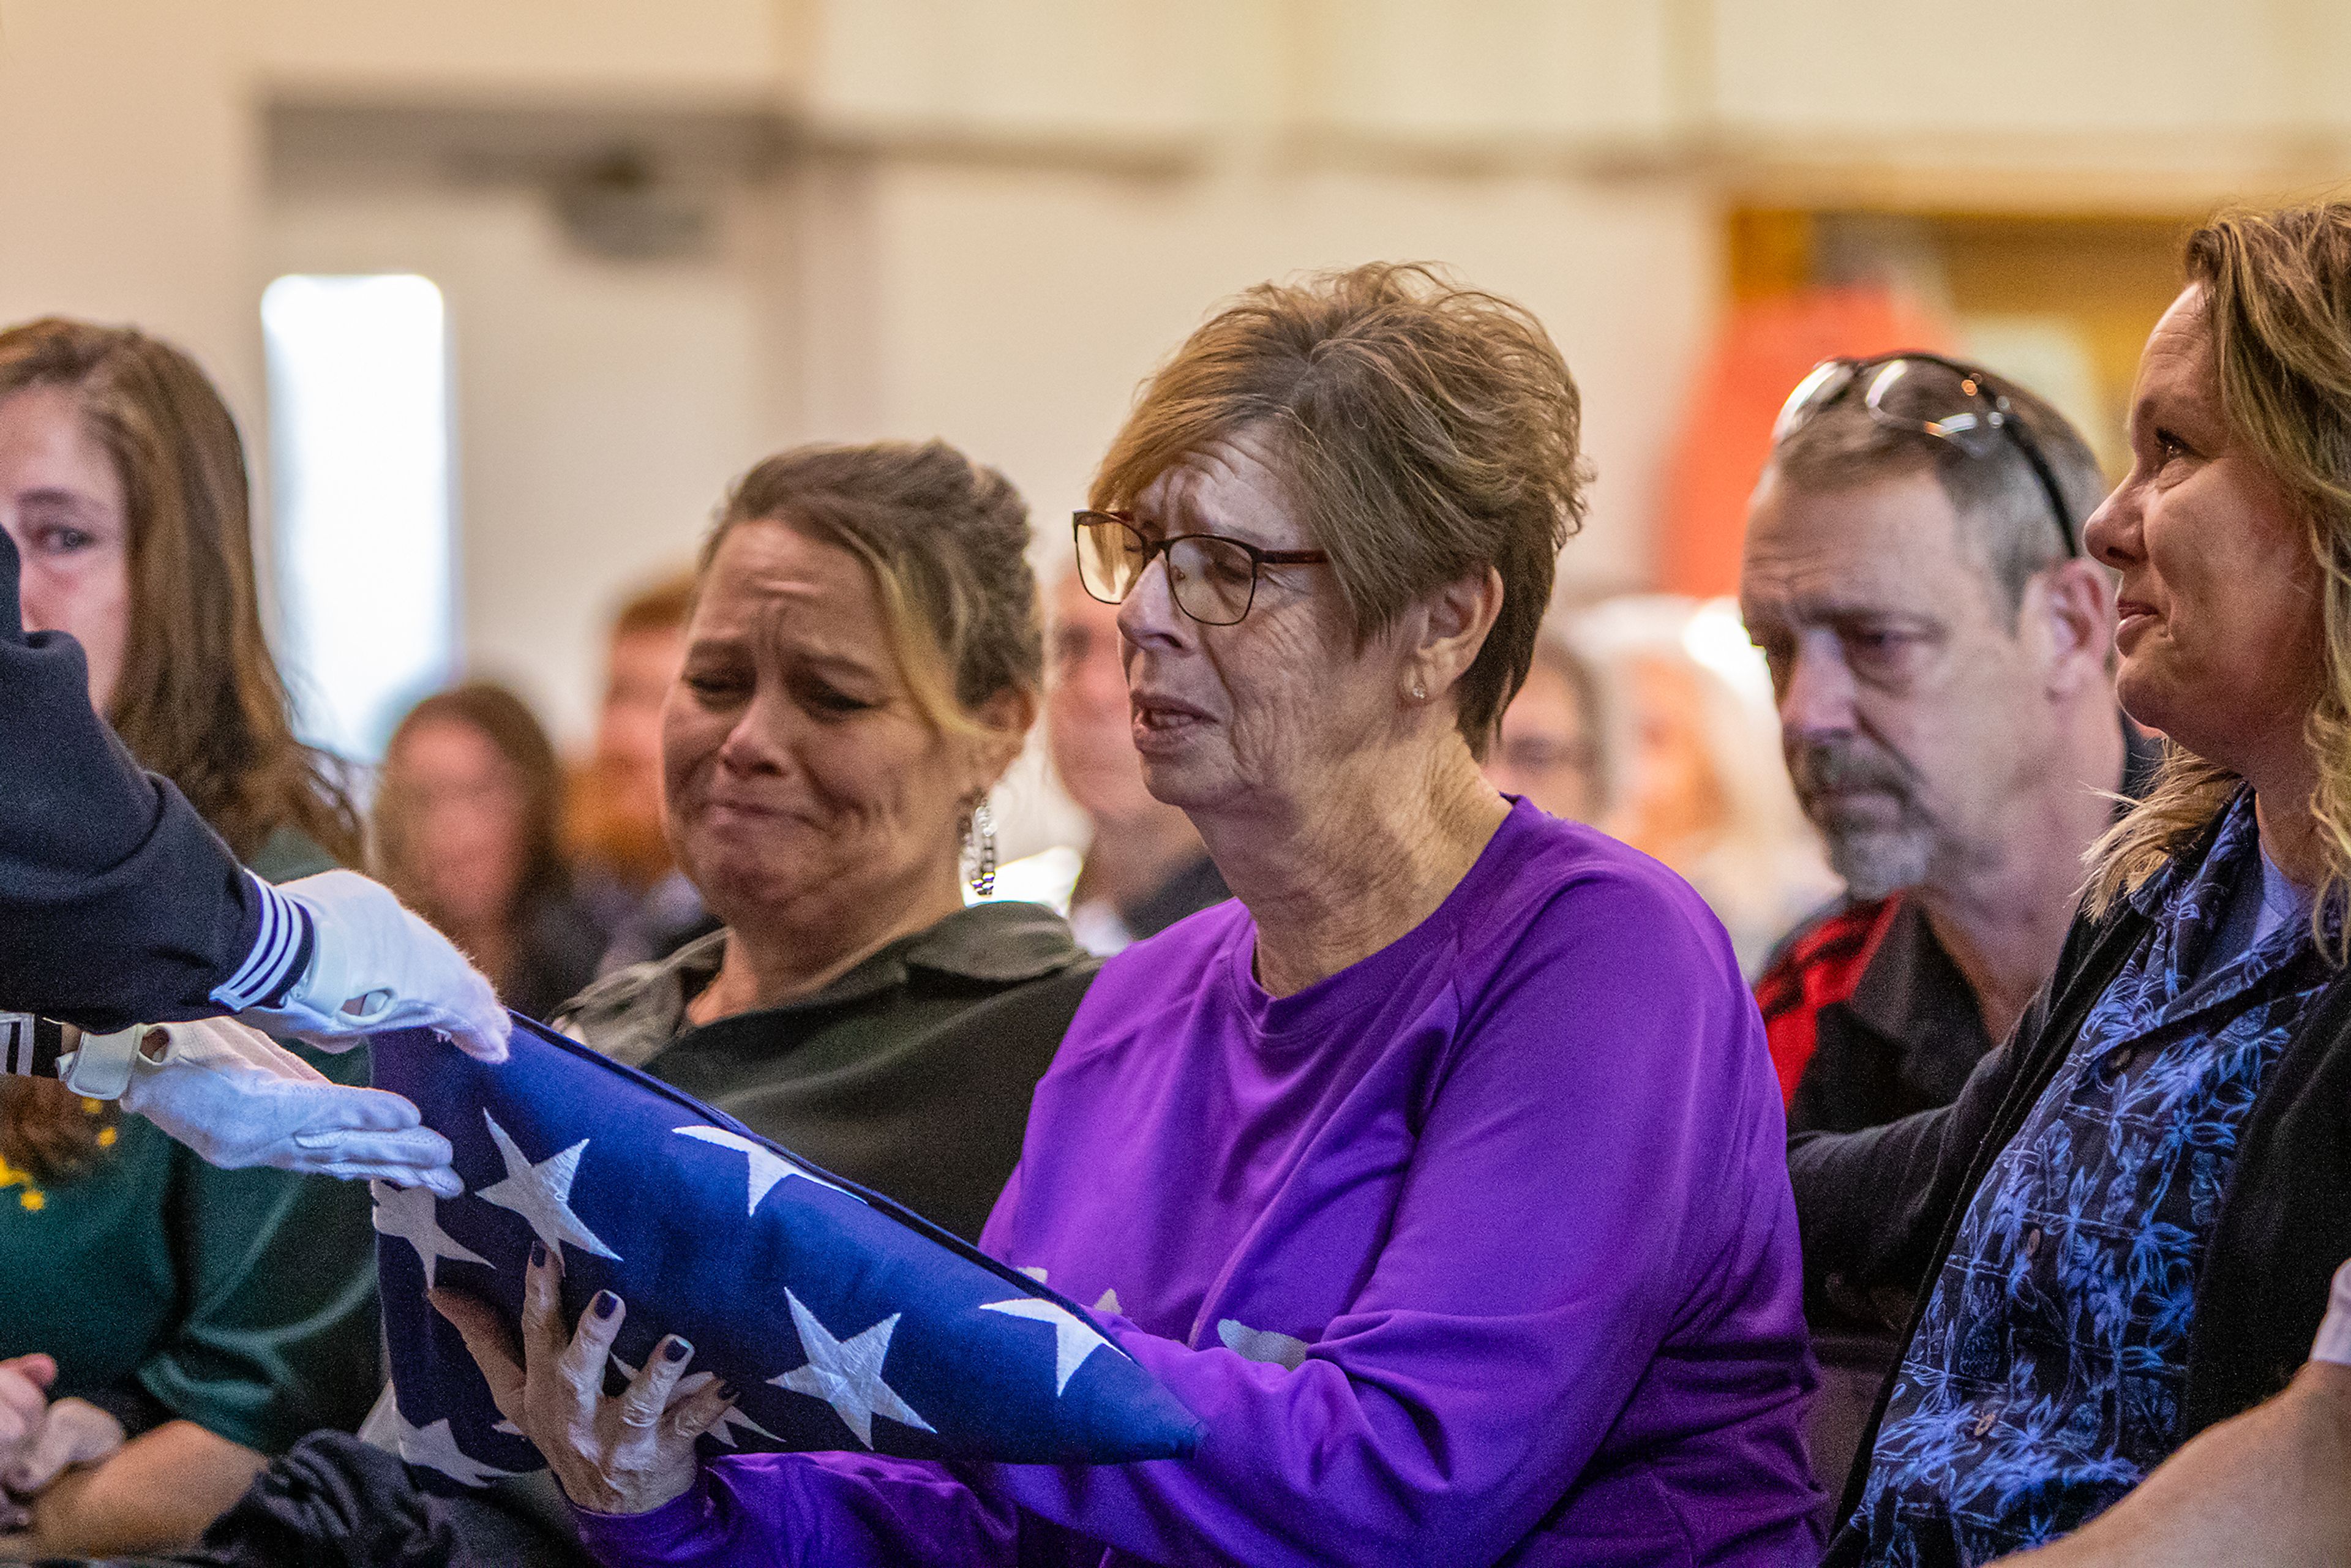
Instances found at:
x=1928 y=395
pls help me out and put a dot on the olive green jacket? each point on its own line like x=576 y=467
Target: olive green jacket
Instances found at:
x=909 y=1074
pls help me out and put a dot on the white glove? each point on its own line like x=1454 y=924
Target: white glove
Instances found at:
x=239 y=1099
x=376 y=967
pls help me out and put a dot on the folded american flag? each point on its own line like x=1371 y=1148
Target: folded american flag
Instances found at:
x=846 y=1320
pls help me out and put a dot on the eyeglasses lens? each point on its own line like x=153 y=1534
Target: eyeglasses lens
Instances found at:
x=1111 y=557
x=1937 y=401
x=1824 y=385
x=1213 y=579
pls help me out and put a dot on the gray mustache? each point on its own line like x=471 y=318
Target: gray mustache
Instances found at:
x=1821 y=767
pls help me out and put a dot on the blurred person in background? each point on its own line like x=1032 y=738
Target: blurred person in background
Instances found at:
x=188 y=1320
x=1699 y=785
x=625 y=873
x=862 y=666
x=2125 y=1223
x=467 y=833
x=1941 y=651
x=1145 y=867
x=1552 y=745
x=1305 y=1150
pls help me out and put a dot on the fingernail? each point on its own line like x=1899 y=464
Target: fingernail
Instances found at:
x=727 y=1391
x=539 y=1254
x=676 y=1350
x=605 y=1304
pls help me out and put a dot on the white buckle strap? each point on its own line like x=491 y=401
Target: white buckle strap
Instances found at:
x=98 y=1068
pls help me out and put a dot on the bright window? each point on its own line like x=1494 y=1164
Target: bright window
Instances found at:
x=359 y=431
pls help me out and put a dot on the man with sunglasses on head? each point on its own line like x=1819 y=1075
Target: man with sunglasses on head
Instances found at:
x=1940 y=651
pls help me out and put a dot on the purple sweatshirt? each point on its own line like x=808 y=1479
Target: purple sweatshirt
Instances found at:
x=1482 y=1249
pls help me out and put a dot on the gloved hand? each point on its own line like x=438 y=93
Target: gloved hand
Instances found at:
x=376 y=967
x=240 y=1099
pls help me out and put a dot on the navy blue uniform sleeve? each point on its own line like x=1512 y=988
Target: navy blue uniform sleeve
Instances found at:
x=118 y=905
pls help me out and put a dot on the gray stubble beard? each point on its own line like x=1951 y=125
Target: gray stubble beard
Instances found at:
x=1877 y=863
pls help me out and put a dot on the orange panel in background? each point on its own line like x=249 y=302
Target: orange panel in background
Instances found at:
x=1765 y=346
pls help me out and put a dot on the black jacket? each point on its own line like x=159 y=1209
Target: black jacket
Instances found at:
x=1880 y=1209
x=118 y=906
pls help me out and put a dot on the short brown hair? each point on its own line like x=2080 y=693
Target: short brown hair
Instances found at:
x=1429 y=431
x=946 y=540
x=2003 y=512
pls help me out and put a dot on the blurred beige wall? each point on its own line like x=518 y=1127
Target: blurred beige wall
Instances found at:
x=986 y=219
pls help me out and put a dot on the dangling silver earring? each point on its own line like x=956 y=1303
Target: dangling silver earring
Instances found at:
x=1419 y=692
x=980 y=850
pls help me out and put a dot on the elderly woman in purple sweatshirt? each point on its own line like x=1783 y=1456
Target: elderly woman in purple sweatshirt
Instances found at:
x=1441 y=1175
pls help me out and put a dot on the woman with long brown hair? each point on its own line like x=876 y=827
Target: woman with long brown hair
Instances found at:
x=187 y=1342
x=468 y=823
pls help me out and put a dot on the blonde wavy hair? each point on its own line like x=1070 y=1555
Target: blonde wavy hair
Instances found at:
x=2277 y=300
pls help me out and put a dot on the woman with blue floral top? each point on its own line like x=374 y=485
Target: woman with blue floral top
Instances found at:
x=2122 y=1232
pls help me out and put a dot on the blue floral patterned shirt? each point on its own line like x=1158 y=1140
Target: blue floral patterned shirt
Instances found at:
x=2044 y=1380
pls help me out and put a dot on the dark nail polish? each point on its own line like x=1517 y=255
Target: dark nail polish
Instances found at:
x=676 y=1350
x=539 y=1254
x=729 y=1392
x=605 y=1304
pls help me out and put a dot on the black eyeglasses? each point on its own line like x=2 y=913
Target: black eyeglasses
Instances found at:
x=1214 y=579
x=1930 y=395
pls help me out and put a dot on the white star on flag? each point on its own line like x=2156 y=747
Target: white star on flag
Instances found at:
x=435 y=1447
x=412 y=1214
x=767 y=1167
x=541 y=1193
x=847 y=1374
x=695 y=1383
x=1263 y=1345
x=1073 y=1340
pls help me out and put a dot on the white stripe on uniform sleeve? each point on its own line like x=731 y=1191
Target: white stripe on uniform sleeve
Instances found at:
x=268 y=968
